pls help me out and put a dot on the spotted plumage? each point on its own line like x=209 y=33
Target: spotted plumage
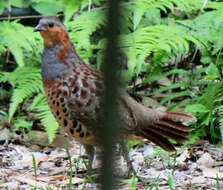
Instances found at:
x=74 y=91
x=59 y=93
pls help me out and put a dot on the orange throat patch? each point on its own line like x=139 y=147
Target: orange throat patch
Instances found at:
x=57 y=36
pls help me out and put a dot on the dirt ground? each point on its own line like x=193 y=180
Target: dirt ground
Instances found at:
x=36 y=167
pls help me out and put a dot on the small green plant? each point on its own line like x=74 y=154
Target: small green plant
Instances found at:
x=49 y=188
x=90 y=179
x=154 y=184
x=133 y=183
x=34 y=170
x=70 y=184
x=171 y=182
x=217 y=183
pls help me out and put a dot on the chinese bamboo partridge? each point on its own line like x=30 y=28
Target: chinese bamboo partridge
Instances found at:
x=74 y=89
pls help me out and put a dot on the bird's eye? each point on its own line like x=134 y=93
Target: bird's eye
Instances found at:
x=51 y=25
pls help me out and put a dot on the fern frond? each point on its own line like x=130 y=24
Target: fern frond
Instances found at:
x=18 y=39
x=41 y=108
x=204 y=26
x=82 y=28
x=21 y=123
x=26 y=82
x=138 y=10
x=220 y=108
x=211 y=95
x=161 y=40
x=183 y=5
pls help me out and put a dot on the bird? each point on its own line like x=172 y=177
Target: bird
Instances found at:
x=74 y=90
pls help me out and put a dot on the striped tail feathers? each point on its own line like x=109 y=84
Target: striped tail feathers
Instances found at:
x=158 y=139
x=185 y=118
x=172 y=125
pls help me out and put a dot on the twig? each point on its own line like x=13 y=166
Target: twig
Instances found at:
x=24 y=17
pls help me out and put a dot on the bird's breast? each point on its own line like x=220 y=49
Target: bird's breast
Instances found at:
x=57 y=94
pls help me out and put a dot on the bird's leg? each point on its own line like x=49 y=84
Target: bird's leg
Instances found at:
x=120 y=165
x=125 y=152
x=96 y=164
x=94 y=154
x=90 y=153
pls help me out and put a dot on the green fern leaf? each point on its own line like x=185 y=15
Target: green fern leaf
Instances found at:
x=25 y=84
x=46 y=117
x=221 y=121
x=18 y=39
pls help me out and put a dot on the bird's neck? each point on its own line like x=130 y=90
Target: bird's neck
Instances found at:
x=58 y=60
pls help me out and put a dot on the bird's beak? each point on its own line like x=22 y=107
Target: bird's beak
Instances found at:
x=39 y=28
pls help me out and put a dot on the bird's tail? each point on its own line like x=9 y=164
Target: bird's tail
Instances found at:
x=172 y=125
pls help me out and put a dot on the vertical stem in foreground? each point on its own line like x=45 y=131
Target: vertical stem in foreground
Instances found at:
x=111 y=71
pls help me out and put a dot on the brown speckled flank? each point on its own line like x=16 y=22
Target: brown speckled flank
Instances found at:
x=57 y=94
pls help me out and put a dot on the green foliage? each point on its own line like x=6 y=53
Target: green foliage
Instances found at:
x=220 y=110
x=18 y=39
x=27 y=83
x=133 y=183
x=175 y=46
x=51 y=7
x=83 y=28
x=162 y=40
x=171 y=182
x=208 y=110
x=40 y=107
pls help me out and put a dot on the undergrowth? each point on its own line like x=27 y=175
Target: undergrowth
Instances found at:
x=173 y=47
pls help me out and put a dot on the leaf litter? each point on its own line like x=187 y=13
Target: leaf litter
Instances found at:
x=197 y=167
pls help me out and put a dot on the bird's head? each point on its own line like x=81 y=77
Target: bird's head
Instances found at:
x=52 y=31
x=55 y=36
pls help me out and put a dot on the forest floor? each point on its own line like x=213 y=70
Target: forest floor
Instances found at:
x=200 y=167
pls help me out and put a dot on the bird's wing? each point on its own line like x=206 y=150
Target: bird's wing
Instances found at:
x=86 y=89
